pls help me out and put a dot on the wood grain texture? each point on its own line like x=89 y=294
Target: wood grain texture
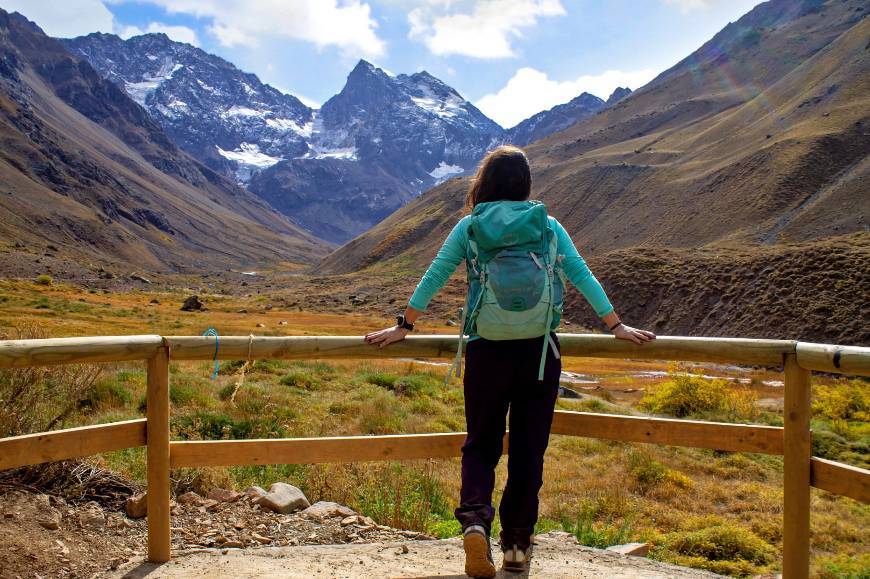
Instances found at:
x=316 y=450
x=690 y=433
x=841 y=479
x=797 y=445
x=159 y=538
x=54 y=351
x=70 y=443
x=725 y=350
x=853 y=360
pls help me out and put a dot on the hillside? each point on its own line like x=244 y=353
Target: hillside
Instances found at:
x=756 y=141
x=87 y=175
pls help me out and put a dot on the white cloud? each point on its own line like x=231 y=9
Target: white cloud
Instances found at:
x=347 y=25
x=177 y=33
x=530 y=91
x=689 y=5
x=65 y=19
x=484 y=29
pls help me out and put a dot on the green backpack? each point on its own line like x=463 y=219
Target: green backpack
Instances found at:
x=515 y=277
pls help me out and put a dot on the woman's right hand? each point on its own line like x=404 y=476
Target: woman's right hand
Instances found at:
x=624 y=332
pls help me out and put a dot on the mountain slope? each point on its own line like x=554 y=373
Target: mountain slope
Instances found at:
x=84 y=168
x=758 y=139
x=555 y=119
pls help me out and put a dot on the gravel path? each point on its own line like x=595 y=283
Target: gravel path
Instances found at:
x=556 y=556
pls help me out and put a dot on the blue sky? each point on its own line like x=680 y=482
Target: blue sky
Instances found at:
x=512 y=58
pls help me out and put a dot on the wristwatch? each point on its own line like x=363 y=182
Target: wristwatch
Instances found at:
x=403 y=323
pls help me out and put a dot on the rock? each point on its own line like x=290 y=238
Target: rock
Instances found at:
x=347 y=521
x=192 y=304
x=116 y=521
x=451 y=323
x=232 y=545
x=323 y=509
x=136 y=506
x=636 y=549
x=269 y=306
x=49 y=520
x=137 y=277
x=92 y=516
x=242 y=311
x=282 y=323
x=261 y=325
x=154 y=301
x=190 y=498
x=255 y=493
x=283 y=498
x=263 y=540
x=224 y=495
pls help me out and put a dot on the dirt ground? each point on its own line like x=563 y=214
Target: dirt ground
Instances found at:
x=557 y=555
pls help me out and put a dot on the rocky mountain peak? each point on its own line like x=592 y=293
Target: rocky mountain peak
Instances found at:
x=618 y=94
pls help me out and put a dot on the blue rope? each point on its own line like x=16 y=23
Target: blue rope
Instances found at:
x=213 y=332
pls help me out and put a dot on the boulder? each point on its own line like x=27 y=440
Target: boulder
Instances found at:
x=636 y=549
x=224 y=495
x=190 y=498
x=324 y=509
x=255 y=493
x=136 y=506
x=137 y=277
x=191 y=304
x=283 y=498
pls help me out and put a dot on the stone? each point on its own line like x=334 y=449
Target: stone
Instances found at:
x=92 y=516
x=192 y=304
x=190 y=498
x=242 y=311
x=262 y=539
x=137 y=277
x=349 y=520
x=232 y=545
x=224 y=495
x=136 y=506
x=255 y=493
x=283 y=498
x=259 y=325
x=636 y=549
x=49 y=519
x=323 y=509
x=154 y=301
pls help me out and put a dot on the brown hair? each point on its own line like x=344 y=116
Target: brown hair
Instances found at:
x=503 y=175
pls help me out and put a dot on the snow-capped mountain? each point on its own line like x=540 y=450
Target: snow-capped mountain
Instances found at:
x=223 y=116
x=337 y=170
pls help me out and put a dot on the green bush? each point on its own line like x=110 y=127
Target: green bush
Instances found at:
x=108 y=394
x=686 y=395
x=600 y=535
x=44 y=279
x=843 y=566
x=721 y=548
x=406 y=498
x=301 y=378
x=382 y=379
x=211 y=426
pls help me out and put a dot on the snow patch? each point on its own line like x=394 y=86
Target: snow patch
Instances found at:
x=290 y=125
x=443 y=172
x=250 y=159
x=139 y=91
x=237 y=111
x=447 y=108
x=317 y=152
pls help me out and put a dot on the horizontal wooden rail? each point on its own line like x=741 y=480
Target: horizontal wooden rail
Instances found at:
x=71 y=443
x=674 y=432
x=315 y=450
x=54 y=351
x=840 y=479
x=724 y=350
x=828 y=358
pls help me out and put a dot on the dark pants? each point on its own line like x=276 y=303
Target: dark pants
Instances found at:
x=501 y=375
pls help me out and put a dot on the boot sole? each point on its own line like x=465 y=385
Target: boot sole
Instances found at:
x=477 y=563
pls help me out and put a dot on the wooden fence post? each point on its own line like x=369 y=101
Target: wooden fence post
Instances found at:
x=158 y=456
x=796 y=471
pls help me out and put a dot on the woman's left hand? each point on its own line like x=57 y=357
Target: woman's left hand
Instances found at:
x=387 y=336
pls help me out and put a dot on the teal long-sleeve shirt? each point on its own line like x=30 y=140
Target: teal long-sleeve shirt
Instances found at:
x=455 y=248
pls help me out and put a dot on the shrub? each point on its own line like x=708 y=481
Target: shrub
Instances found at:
x=301 y=378
x=211 y=426
x=843 y=566
x=844 y=400
x=44 y=279
x=381 y=414
x=108 y=394
x=721 y=548
x=382 y=379
x=685 y=395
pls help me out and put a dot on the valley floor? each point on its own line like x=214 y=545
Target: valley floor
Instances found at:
x=711 y=510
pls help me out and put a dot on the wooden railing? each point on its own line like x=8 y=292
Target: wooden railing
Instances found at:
x=793 y=441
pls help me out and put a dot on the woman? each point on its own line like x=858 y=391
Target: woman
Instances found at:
x=505 y=374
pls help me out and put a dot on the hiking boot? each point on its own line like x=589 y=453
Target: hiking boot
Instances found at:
x=478 y=556
x=517 y=560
